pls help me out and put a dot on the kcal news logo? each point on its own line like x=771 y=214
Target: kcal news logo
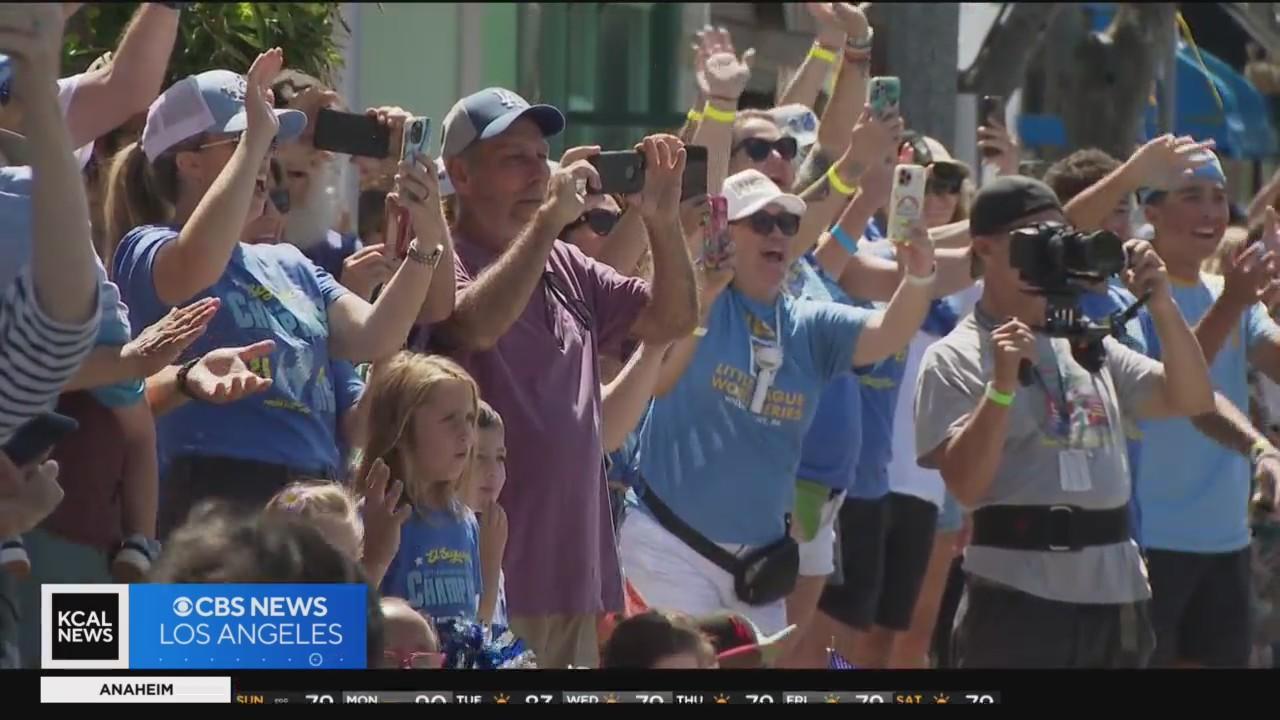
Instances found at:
x=84 y=626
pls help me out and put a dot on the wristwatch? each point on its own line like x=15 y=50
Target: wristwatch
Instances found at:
x=182 y=377
x=432 y=259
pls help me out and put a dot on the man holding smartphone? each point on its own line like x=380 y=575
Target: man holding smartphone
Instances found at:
x=531 y=313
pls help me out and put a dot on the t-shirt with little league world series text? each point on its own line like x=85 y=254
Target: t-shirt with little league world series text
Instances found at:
x=437 y=568
x=268 y=292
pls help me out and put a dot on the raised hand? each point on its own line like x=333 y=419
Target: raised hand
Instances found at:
x=1165 y=159
x=1146 y=272
x=727 y=75
x=830 y=28
x=1011 y=343
x=310 y=101
x=566 y=191
x=853 y=18
x=223 y=376
x=916 y=255
x=383 y=516
x=366 y=269
x=417 y=189
x=493 y=536
x=877 y=184
x=708 y=42
x=262 y=125
x=995 y=137
x=664 y=161
x=1250 y=276
x=160 y=344
x=872 y=139
x=31 y=34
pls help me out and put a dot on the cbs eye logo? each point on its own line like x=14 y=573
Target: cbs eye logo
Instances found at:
x=182 y=607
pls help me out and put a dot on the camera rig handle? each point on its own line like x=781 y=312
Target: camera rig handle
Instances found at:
x=1066 y=320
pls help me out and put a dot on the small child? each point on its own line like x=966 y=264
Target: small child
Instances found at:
x=329 y=507
x=484 y=485
x=411 y=642
x=422 y=423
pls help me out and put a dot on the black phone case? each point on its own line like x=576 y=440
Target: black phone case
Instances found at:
x=621 y=172
x=352 y=134
x=37 y=437
x=991 y=105
x=695 y=172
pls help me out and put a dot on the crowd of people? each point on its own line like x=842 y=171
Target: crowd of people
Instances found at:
x=566 y=428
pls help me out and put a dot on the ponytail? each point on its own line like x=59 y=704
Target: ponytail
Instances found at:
x=138 y=193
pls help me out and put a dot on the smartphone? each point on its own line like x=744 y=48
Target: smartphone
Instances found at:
x=715 y=237
x=906 y=201
x=417 y=132
x=621 y=171
x=991 y=107
x=694 y=183
x=6 y=76
x=38 y=437
x=884 y=96
x=352 y=134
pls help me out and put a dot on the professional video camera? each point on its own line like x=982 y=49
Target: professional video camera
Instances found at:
x=1061 y=263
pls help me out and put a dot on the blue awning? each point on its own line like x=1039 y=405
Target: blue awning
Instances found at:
x=1241 y=126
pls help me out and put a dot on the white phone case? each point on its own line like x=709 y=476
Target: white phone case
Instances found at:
x=906 y=202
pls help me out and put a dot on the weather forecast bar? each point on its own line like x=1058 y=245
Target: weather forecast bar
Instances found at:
x=135 y=689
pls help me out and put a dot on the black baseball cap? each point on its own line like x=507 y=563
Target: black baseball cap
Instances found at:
x=1006 y=200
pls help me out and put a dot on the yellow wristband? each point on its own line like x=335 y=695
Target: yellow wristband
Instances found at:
x=694 y=116
x=1260 y=448
x=712 y=113
x=834 y=178
x=997 y=397
x=817 y=52
x=700 y=332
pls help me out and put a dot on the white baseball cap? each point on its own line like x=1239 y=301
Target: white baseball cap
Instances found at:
x=750 y=191
x=798 y=121
x=212 y=101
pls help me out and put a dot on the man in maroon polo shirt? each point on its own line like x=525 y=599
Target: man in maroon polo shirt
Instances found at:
x=531 y=315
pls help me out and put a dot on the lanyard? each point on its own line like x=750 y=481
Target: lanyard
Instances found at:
x=768 y=357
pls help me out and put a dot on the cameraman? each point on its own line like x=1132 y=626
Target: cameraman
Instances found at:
x=1053 y=578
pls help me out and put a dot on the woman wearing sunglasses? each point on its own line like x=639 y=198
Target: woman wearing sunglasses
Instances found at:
x=721 y=443
x=181 y=198
x=611 y=231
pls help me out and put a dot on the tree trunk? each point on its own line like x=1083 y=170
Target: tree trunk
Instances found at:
x=1108 y=80
x=921 y=48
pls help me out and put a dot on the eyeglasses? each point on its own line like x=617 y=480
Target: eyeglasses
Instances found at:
x=600 y=221
x=280 y=198
x=763 y=223
x=415 y=660
x=758 y=149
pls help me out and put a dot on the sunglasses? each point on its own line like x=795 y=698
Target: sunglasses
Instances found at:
x=758 y=149
x=945 y=180
x=600 y=221
x=763 y=223
x=415 y=660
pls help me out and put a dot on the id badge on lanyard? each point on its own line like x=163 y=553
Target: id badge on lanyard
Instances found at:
x=766 y=360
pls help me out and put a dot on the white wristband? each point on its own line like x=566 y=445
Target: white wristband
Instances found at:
x=925 y=281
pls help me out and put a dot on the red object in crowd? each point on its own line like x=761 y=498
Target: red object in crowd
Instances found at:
x=633 y=604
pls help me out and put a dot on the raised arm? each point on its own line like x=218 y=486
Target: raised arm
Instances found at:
x=626 y=399
x=850 y=93
x=672 y=311
x=725 y=76
x=1154 y=165
x=889 y=330
x=220 y=376
x=486 y=308
x=63 y=266
x=827 y=51
x=150 y=352
x=360 y=331
x=1248 y=278
x=104 y=99
x=869 y=277
x=199 y=255
x=627 y=242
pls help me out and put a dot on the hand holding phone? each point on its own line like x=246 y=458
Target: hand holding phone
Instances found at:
x=621 y=171
x=415 y=138
x=990 y=112
x=906 y=202
x=352 y=134
x=716 y=241
x=884 y=95
x=38 y=437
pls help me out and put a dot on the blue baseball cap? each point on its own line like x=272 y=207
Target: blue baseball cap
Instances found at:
x=488 y=113
x=210 y=102
x=1211 y=171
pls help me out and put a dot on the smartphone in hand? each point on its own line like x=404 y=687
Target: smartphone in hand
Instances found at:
x=352 y=134
x=715 y=237
x=884 y=96
x=621 y=171
x=417 y=133
x=991 y=108
x=38 y=437
x=906 y=201
x=695 y=172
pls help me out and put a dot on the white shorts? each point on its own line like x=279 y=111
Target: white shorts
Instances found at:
x=817 y=557
x=670 y=576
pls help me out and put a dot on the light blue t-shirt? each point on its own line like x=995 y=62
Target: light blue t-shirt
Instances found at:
x=834 y=439
x=723 y=469
x=1098 y=307
x=437 y=568
x=1193 y=492
x=268 y=292
x=15 y=252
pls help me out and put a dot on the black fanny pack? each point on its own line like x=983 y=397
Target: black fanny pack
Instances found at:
x=760 y=577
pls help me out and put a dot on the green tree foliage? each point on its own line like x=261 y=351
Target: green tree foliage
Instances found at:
x=219 y=35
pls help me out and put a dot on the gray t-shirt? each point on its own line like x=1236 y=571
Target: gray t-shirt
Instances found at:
x=1066 y=419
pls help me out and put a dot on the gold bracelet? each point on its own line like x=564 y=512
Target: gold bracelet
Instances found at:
x=712 y=113
x=817 y=52
x=837 y=184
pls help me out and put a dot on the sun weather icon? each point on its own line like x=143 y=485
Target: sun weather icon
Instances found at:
x=721 y=700
x=941 y=699
x=832 y=700
x=502 y=699
x=610 y=699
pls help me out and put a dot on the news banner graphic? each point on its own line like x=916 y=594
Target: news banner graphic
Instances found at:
x=432 y=697
x=203 y=627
